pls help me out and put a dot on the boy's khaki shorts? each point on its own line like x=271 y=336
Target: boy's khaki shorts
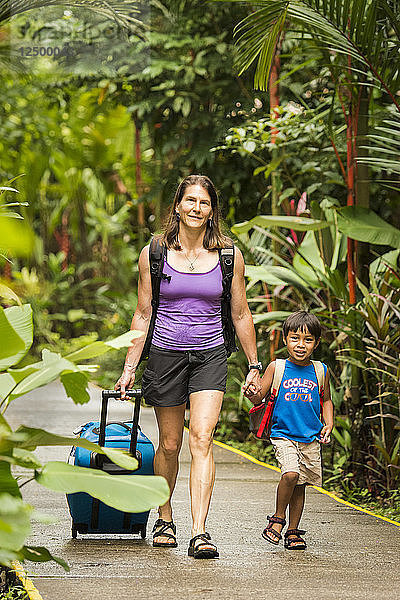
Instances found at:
x=301 y=458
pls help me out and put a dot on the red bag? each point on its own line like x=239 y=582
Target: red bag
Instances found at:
x=260 y=419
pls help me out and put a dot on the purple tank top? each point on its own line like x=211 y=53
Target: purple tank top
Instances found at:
x=189 y=313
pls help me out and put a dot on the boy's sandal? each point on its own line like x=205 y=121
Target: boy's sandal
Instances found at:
x=160 y=530
x=296 y=542
x=276 y=535
x=203 y=548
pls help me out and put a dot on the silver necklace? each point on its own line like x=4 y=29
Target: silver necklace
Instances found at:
x=191 y=262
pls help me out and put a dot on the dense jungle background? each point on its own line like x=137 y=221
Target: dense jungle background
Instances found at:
x=292 y=109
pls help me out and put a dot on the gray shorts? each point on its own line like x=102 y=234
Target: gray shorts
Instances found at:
x=301 y=458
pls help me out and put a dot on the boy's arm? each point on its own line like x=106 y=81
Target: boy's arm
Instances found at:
x=327 y=413
x=266 y=383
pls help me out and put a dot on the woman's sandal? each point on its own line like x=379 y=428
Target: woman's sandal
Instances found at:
x=160 y=530
x=202 y=549
x=277 y=536
x=293 y=542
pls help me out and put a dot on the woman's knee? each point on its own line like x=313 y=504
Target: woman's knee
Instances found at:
x=291 y=477
x=170 y=446
x=200 y=442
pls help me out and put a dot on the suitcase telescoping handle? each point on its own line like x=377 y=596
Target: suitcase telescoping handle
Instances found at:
x=106 y=395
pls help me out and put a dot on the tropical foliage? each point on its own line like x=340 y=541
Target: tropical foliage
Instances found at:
x=307 y=171
x=347 y=116
x=17 y=447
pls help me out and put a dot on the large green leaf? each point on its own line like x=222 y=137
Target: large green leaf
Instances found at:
x=11 y=343
x=384 y=149
x=308 y=261
x=7 y=383
x=274 y=275
x=289 y=276
x=8 y=556
x=4 y=425
x=8 y=440
x=22 y=458
x=98 y=348
x=7 y=482
x=75 y=385
x=15 y=525
x=35 y=437
x=51 y=367
x=364 y=225
x=16 y=237
x=20 y=320
x=129 y=493
x=261 y=273
x=380 y=264
x=26 y=459
x=54 y=365
x=124 y=12
x=267 y=221
x=274 y=315
x=350 y=31
x=41 y=554
x=19 y=374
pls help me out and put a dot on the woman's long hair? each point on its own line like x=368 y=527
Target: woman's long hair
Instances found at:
x=213 y=237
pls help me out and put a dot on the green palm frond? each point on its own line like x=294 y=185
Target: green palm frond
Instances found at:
x=125 y=12
x=365 y=31
x=385 y=147
x=255 y=34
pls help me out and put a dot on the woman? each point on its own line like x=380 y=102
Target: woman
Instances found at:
x=187 y=357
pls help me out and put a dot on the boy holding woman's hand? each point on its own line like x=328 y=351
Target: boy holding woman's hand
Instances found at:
x=298 y=427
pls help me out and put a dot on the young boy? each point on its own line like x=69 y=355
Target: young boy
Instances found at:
x=297 y=429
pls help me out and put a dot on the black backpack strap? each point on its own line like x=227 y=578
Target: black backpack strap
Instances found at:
x=156 y=260
x=157 y=252
x=227 y=262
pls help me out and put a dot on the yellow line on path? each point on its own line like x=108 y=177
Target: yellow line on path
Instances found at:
x=319 y=489
x=248 y=456
x=31 y=590
x=364 y=510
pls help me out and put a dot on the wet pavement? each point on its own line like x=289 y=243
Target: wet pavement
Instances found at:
x=350 y=555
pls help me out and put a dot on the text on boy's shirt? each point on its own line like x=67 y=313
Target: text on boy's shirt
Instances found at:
x=299 y=389
x=298 y=382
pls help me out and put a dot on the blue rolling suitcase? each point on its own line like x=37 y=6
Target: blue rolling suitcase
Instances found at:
x=89 y=515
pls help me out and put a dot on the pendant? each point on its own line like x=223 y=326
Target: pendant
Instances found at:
x=191 y=268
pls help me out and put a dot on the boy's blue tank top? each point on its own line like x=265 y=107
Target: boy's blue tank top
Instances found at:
x=297 y=407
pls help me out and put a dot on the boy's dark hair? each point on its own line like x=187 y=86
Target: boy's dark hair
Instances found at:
x=300 y=320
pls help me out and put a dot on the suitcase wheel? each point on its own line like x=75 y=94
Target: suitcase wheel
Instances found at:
x=74 y=532
x=143 y=532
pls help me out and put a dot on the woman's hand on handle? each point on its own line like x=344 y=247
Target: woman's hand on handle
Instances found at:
x=126 y=381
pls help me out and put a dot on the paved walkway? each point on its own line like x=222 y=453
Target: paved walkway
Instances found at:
x=350 y=555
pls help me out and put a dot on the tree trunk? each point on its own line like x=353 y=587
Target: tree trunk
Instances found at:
x=273 y=104
x=362 y=177
x=350 y=202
